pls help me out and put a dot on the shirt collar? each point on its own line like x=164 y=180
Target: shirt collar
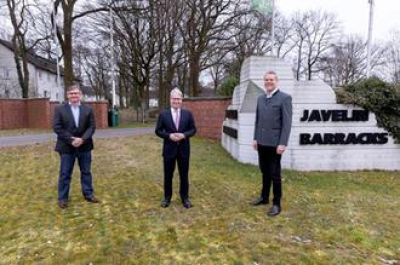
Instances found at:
x=272 y=93
x=74 y=105
x=174 y=110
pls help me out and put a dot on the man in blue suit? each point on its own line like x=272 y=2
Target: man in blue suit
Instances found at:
x=176 y=126
x=74 y=125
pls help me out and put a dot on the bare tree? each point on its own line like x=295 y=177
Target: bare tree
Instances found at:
x=315 y=32
x=205 y=29
x=24 y=37
x=393 y=57
x=346 y=61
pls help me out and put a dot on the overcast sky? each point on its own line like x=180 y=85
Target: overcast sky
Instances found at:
x=354 y=14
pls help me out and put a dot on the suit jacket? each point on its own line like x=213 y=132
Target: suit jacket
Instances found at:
x=65 y=128
x=273 y=119
x=165 y=127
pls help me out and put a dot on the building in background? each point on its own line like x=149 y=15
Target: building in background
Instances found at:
x=42 y=76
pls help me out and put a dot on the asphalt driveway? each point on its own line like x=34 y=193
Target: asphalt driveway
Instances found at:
x=46 y=137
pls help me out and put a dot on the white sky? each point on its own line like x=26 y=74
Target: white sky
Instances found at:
x=354 y=14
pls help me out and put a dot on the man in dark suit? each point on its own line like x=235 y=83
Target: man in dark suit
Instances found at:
x=271 y=135
x=74 y=125
x=176 y=126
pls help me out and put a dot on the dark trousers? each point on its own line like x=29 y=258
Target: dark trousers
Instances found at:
x=270 y=166
x=66 y=169
x=183 y=168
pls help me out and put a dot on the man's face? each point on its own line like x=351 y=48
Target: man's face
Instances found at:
x=74 y=96
x=176 y=101
x=270 y=82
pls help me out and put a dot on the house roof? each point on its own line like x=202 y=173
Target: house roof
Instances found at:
x=38 y=61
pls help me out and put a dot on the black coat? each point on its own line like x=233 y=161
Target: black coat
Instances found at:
x=165 y=127
x=65 y=128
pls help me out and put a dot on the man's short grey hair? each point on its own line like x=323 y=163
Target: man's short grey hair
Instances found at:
x=73 y=87
x=176 y=91
x=270 y=72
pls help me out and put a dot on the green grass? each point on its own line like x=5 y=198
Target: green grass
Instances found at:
x=327 y=218
x=137 y=124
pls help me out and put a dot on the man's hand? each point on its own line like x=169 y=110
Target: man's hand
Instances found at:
x=76 y=141
x=280 y=149
x=176 y=137
x=180 y=136
x=255 y=145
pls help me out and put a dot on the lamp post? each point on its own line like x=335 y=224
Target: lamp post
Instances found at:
x=59 y=89
x=112 y=58
x=264 y=7
x=273 y=28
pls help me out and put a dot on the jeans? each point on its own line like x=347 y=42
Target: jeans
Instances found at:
x=66 y=169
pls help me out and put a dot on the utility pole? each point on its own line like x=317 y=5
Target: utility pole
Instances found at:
x=55 y=41
x=112 y=58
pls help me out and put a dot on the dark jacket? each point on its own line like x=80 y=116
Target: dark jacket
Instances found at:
x=165 y=126
x=65 y=128
x=273 y=119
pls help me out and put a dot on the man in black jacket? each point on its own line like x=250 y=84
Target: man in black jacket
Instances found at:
x=74 y=125
x=176 y=126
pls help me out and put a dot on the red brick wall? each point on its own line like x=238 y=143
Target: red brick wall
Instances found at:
x=209 y=113
x=100 y=110
x=38 y=113
x=10 y=114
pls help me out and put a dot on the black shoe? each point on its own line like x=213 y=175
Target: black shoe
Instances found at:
x=165 y=203
x=187 y=204
x=274 y=210
x=259 y=201
x=62 y=204
x=92 y=199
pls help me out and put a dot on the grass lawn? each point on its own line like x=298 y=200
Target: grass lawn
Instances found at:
x=327 y=218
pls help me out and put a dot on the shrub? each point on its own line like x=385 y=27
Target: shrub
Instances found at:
x=377 y=96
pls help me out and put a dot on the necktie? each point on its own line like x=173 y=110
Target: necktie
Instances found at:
x=176 y=119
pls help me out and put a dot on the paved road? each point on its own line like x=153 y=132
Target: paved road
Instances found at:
x=45 y=137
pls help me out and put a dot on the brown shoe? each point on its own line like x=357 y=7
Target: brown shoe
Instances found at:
x=62 y=204
x=92 y=199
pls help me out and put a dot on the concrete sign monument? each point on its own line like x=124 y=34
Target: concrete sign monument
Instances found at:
x=325 y=135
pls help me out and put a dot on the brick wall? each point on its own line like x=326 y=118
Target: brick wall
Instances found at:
x=100 y=110
x=209 y=113
x=10 y=114
x=38 y=113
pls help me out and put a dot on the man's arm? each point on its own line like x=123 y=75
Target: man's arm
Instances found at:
x=255 y=144
x=286 y=121
x=191 y=127
x=160 y=128
x=59 y=127
x=91 y=127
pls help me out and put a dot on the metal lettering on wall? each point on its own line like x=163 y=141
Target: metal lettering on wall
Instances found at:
x=231 y=114
x=339 y=138
x=230 y=131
